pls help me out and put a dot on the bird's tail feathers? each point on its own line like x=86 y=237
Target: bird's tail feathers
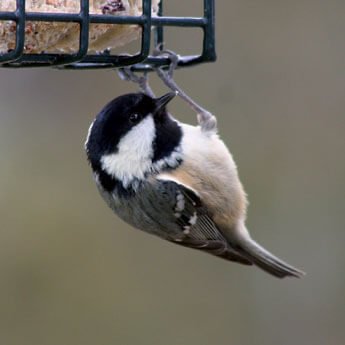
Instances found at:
x=262 y=258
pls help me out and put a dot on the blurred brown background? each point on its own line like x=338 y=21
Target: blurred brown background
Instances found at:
x=71 y=273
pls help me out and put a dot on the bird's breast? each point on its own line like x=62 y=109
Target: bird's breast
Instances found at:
x=210 y=170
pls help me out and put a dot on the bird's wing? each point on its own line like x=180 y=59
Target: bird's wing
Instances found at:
x=181 y=207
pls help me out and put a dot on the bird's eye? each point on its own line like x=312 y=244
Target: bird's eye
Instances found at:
x=134 y=118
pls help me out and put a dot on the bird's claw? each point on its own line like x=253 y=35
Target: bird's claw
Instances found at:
x=171 y=55
x=206 y=120
x=126 y=73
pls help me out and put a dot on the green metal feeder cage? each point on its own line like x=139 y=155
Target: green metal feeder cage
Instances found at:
x=81 y=59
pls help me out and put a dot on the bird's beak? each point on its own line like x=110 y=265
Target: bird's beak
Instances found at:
x=161 y=102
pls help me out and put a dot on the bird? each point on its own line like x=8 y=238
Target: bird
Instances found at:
x=174 y=180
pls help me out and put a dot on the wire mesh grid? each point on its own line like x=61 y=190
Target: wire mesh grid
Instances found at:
x=81 y=59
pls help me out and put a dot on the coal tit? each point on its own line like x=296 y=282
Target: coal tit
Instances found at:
x=173 y=180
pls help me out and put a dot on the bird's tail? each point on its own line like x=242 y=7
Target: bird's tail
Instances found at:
x=262 y=258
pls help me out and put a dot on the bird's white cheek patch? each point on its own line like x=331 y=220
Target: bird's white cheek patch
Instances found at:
x=134 y=155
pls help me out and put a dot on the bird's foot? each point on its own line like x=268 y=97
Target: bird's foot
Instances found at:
x=125 y=73
x=206 y=120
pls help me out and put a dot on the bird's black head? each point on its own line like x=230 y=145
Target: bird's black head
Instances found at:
x=132 y=136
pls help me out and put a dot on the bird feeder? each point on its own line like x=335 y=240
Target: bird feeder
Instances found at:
x=85 y=24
